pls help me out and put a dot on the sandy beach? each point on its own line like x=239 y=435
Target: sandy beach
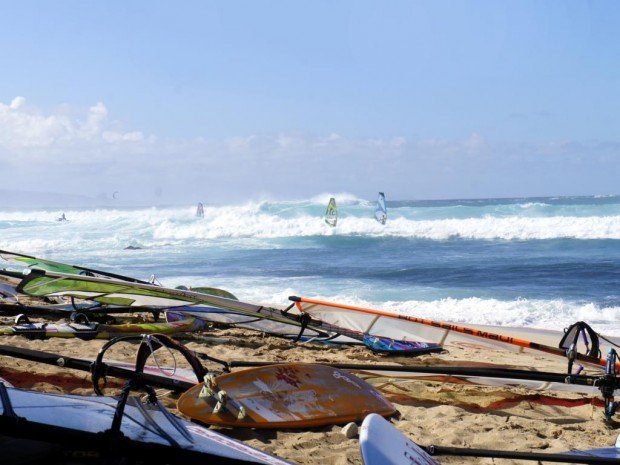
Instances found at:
x=429 y=412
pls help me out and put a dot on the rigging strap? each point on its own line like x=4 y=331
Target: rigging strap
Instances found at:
x=571 y=338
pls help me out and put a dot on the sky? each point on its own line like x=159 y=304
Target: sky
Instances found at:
x=176 y=102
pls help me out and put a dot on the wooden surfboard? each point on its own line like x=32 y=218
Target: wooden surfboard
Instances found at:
x=295 y=395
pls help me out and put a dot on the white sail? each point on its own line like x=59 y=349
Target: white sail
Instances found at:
x=381 y=211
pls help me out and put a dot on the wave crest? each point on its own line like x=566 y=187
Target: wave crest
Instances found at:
x=266 y=221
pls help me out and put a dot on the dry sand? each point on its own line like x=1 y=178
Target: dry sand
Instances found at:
x=496 y=417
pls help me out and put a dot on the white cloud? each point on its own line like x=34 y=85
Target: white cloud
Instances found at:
x=92 y=153
x=111 y=136
x=25 y=127
x=17 y=102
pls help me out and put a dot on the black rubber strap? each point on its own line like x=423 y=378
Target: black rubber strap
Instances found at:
x=304 y=319
x=98 y=369
x=7 y=406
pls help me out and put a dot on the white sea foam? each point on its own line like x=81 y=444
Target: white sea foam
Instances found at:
x=342 y=198
x=232 y=224
x=154 y=227
x=534 y=313
x=532 y=205
x=553 y=314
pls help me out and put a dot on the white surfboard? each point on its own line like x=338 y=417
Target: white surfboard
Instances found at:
x=382 y=444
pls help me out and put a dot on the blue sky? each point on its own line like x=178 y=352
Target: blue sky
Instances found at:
x=216 y=100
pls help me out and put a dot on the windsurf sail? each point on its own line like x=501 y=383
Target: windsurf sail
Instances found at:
x=210 y=291
x=49 y=265
x=48 y=428
x=148 y=297
x=92 y=313
x=380 y=210
x=407 y=327
x=235 y=319
x=8 y=293
x=90 y=331
x=340 y=336
x=331 y=214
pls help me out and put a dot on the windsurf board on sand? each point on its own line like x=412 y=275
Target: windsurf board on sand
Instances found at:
x=89 y=418
x=381 y=443
x=295 y=395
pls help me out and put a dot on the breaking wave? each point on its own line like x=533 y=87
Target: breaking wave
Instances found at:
x=153 y=227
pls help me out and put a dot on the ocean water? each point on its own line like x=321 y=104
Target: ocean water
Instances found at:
x=537 y=262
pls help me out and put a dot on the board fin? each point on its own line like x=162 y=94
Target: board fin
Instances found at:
x=223 y=403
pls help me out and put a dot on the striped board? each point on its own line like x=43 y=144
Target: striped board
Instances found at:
x=294 y=395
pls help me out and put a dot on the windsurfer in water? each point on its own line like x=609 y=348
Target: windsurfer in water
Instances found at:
x=200 y=211
x=62 y=218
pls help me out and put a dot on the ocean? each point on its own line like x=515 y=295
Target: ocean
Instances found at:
x=536 y=262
